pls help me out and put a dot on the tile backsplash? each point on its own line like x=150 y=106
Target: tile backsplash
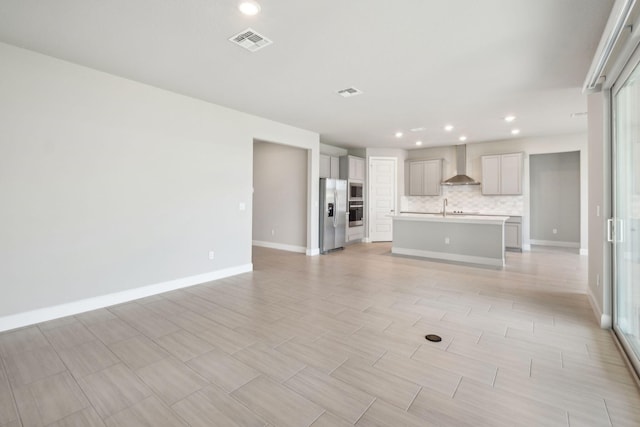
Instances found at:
x=467 y=198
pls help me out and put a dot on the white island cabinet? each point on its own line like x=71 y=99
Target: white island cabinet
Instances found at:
x=461 y=238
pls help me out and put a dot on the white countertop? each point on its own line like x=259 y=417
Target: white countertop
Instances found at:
x=483 y=213
x=451 y=218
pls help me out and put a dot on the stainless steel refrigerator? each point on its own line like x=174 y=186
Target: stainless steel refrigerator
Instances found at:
x=333 y=213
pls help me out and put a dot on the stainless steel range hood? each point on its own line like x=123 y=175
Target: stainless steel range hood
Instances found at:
x=461 y=167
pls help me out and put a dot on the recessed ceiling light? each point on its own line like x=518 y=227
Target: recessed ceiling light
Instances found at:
x=509 y=118
x=249 y=7
x=448 y=128
x=399 y=134
x=463 y=138
x=418 y=142
x=515 y=131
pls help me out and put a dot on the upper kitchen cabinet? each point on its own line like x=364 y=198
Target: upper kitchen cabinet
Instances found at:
x=329 y=166
x=502 y=174
x=425 y=177
x=352 y=168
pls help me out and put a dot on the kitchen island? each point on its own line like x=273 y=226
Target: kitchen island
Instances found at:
x=462 y=238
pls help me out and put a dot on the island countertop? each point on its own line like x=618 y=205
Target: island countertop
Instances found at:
x=451 y=218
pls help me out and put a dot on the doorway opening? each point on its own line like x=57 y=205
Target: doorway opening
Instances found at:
x=280 y=193
x=555 y=199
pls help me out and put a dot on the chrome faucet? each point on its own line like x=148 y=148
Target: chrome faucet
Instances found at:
x=444 y=207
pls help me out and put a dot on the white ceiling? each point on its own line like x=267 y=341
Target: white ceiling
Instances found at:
x=420 y=63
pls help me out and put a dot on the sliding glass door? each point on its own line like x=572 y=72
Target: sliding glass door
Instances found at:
x=624 y=228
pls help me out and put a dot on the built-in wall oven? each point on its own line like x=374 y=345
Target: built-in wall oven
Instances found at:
x=355 y=191
x=356 y=212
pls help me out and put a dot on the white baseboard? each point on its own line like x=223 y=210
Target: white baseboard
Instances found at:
x=76 y=307
x=604 y=320
x=280 y=246
x=313 y=252
x=495 y=262
x=554 y=243
x=526 y=247
x=366 y=240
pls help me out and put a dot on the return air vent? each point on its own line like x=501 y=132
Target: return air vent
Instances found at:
x=250 y=40
x=350 y=91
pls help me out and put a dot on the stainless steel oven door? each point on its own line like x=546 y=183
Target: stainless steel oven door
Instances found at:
x=356 y=212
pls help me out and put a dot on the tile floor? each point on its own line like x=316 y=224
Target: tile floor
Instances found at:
x=335 y=340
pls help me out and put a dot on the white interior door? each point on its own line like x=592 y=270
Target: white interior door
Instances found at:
x=382 y=197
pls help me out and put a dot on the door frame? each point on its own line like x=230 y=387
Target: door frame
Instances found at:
x=369 y=186
x=631 y=65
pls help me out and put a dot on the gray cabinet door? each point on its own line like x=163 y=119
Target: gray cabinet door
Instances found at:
x=502 y=174
x=513 y=233
x=511 y=174
x=431 y=185
x=416 y=178
x=425 y=177
x=352 y=168
x=329 y=166
x=335 y=167
x=325 y=166
x=512 y=236
x=491 y=175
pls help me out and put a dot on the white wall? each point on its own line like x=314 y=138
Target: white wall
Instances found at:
x=332 y=150
x=108 y=185
x=600 y=208
x=279 y=196
x=448 y=156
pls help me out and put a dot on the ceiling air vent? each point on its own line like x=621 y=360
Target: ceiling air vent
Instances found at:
x=350 y=91
x=250 y=40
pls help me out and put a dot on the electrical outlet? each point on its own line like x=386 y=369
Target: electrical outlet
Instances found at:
x=597 y=280
x=555 y=231
x=212 y=255
x=446 y=240
x=273 y=232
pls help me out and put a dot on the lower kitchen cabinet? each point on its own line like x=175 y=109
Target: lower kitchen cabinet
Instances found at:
x=513 y=233
x=355 y=233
